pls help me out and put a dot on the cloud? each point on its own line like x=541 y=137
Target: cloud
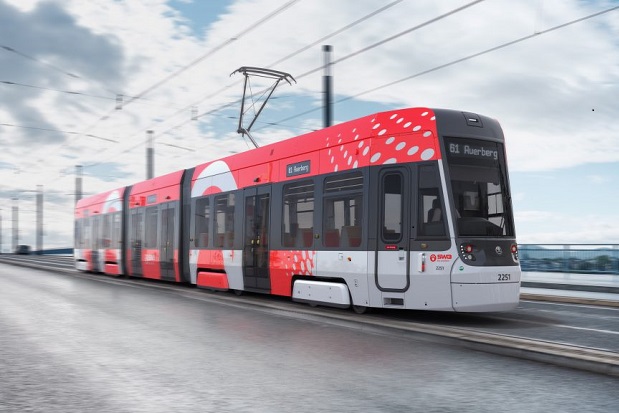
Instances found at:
x=53 y=52
x=598 y=179
x=554 y=94
x=551 y=227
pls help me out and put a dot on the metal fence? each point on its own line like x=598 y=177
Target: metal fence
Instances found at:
x=577 y=258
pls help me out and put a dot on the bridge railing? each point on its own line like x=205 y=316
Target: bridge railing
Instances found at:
x=571 y=258
x=576 y=258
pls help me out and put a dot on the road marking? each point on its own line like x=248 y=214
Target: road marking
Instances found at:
x=595 y=307
x=586 y=329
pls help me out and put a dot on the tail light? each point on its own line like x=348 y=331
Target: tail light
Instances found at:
x=467 y=252
x=514 y=250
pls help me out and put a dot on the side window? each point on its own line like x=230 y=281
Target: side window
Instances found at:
x=202 y=218
x=107 y=231
x=96 y=231
x=76 y=234
x=343 y=211
x=224 y=221
x=116 y=217
x=298 y=215
x=87 y=234
x=137 y=223
x=150 y=238
x=392 y=210
x=431 y=206
x=79 y=239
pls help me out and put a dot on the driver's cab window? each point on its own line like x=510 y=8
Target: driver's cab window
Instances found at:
x=431 y=206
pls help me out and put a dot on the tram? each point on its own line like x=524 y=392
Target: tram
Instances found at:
x=405 y=209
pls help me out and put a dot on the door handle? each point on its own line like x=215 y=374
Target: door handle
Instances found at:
x=401 y=254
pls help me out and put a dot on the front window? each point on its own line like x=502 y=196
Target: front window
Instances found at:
x=479 y=185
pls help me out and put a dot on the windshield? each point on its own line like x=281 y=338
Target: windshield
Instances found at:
x=479 y=188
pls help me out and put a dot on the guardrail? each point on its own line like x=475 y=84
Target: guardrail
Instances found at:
x=574 y=258
x=51 y=251
x=55 y=251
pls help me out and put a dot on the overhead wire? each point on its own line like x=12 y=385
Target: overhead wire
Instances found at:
x=395 y=36
x=358 y=52
x=214 y=50
x=54 y=67
x=289 y=56
x=374 y=45
x=27 y=56
x=78 y=93
x=69 y=92
x=454 y=62
x=184 y=68
x=58 y=131
x=451 y=63
x=225 y=106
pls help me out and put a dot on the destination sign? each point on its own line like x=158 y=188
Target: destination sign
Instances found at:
x=473 y=151
x=299 y=168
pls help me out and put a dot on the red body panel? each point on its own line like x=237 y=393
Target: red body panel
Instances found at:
x=407 y=135
x=177 y=273
x=212 y=280
x=150 y=264
x=99 y=205
x=106 y=202
x=213 y=259
x=287 y=263
x=155 y=191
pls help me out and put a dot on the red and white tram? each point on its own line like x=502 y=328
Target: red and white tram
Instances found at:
x=403 y=209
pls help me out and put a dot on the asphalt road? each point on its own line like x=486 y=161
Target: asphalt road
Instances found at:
x=92 y=343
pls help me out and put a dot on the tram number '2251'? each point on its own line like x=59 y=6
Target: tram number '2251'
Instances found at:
x=504 y=277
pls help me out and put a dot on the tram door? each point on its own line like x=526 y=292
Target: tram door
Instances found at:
x=96 y=243
x=256 y=238
x=137 y=232
x=392 y=255
x=166 y=247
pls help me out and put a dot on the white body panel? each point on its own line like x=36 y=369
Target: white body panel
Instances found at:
x=232 y=263
x=351 y=266
x=78 y=254
x=234 y=270
x=193 y=266
x=485 y=288
x=331 y=293
x=429 y=285
x=429 y=292
x=392 y=270
x=468 y=274
x=485 y=297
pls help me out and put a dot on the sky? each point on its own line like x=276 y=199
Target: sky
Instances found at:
x=81 y=83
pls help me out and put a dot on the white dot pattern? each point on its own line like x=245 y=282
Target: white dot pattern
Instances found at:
x=396 y=137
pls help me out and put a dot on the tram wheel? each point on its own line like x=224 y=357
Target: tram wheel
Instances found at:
x=360 y=309
x=238 y=292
